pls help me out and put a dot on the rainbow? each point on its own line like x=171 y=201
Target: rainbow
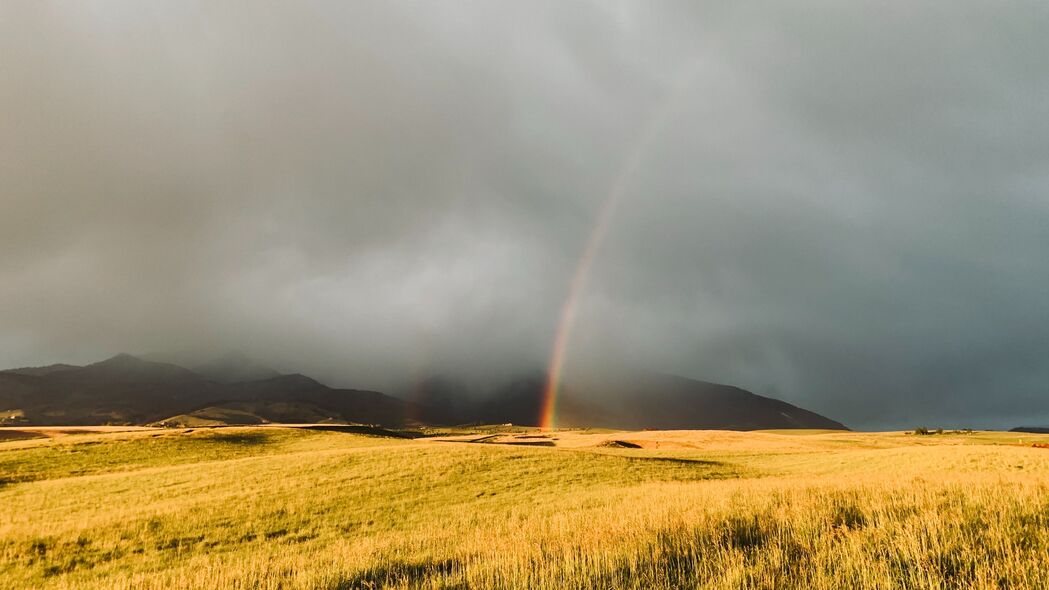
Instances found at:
x=570 y=307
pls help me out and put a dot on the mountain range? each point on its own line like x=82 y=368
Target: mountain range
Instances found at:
x=233 y=389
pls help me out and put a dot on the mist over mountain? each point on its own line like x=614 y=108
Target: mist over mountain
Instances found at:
x=128 y=390
x=842 y=207
x=229 y=367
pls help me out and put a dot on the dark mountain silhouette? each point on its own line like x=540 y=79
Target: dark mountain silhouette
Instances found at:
x=627 y=400
x=355 y=405
x=128 y=390
x=641 y=399
x=121 y=389
x=1031 y=429
x=444 y=400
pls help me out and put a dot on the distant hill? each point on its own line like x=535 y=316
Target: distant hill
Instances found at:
x=628 y=400
x=445 y=400
x=128 y=390
x=1031 y=429
x=641 y=399
x=253 y=412
x=233 y=389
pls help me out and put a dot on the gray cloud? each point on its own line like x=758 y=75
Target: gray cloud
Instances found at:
x=844 y=208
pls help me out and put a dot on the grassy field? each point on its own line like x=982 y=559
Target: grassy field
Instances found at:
x=267 y=507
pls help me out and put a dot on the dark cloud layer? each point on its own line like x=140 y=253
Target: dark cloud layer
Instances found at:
x=843 y=206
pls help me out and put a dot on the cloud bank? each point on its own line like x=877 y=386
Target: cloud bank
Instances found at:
x=845 y=207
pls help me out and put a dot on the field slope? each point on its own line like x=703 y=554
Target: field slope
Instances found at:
x=273 y=507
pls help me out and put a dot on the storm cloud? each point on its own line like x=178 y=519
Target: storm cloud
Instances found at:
x=842 y=206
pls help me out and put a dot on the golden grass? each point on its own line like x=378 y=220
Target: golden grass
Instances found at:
x=282 y=508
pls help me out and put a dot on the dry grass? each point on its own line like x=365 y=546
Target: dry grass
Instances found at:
x=281 y=508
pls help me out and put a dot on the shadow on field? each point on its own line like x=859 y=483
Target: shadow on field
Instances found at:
x=620 y=444
x=6 y=435
x=238 y=438
x=366 y=430
x=679 y=461
x=400 y=573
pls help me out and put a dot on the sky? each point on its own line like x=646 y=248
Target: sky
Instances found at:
x=841 y=205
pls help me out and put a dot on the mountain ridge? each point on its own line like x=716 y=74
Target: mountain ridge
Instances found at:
x=126 y=389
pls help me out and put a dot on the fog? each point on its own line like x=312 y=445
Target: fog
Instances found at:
x=841 y=206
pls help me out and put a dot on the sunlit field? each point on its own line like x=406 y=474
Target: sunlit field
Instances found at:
x=301 y=508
